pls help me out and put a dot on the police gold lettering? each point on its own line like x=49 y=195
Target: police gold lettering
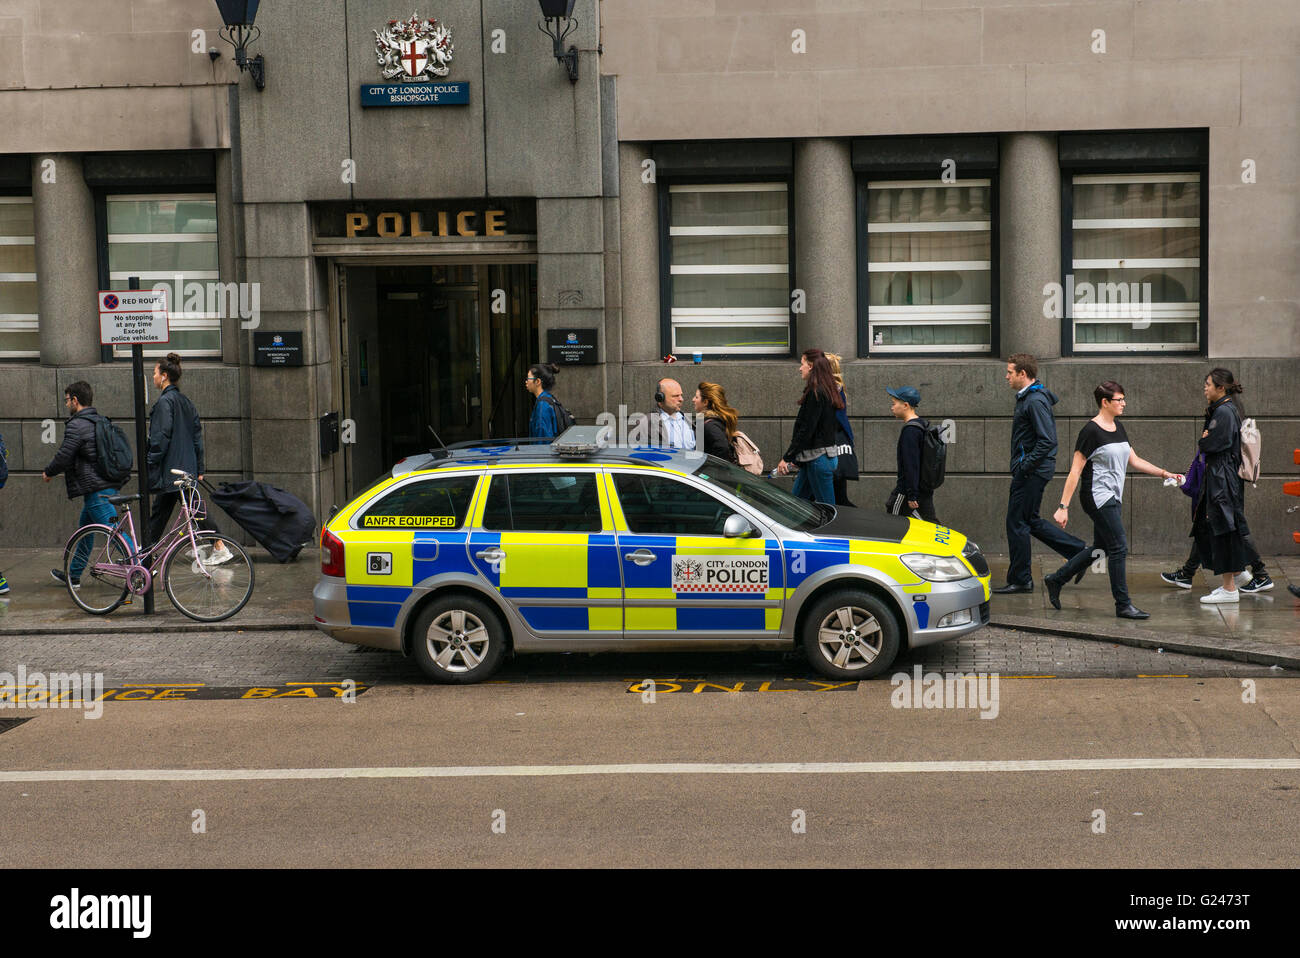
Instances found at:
x=494 y=222
x=415 y=225
x=442 y=223
x=357 y=222
x=462 y=223
x=390 y=224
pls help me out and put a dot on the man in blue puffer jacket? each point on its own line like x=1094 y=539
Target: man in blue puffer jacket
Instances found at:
x=1033 y=462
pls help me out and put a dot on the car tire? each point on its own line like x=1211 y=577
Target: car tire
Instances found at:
x=458 y=640
x=850 y=634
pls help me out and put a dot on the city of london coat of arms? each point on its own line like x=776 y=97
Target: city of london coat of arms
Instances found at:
x=413 y=50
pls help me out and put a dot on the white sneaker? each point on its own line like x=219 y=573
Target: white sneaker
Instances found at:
x=1244 y=578
x=219 y=555
x=1221 y=595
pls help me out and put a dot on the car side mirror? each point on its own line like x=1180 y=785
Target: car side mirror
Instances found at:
x=737 y=527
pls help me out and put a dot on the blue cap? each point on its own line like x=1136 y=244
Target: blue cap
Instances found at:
x=907 y=394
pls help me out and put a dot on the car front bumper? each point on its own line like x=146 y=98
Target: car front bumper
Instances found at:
x=964 y=604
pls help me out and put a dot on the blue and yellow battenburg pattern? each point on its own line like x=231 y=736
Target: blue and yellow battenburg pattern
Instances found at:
x=589 y=566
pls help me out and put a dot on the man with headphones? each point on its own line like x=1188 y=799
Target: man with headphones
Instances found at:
x=668 y=427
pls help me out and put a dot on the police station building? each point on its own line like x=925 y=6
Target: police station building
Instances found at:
x=369 y=233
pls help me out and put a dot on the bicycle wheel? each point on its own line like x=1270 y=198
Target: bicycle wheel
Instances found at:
x=102 y=584
x=206 y=587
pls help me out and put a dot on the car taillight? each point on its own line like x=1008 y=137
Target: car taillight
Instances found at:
x=331 y=555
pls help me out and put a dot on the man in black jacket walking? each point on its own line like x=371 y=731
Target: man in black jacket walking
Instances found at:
x=1033 y=461
x=908 y=498
x=78 y=459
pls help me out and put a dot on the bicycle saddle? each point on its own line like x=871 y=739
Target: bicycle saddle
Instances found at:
x=118 y=500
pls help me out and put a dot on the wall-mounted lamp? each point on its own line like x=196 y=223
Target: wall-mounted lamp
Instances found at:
x=558 y=24
x=239 y=32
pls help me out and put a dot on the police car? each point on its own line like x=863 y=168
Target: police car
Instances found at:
x=467 y=554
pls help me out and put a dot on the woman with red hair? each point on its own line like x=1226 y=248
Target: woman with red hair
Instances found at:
x=813 y=444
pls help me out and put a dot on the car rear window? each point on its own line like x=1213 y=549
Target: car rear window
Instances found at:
x=426 y=504
x=543 y=502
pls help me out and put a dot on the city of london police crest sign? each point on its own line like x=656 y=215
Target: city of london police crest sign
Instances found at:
x=413 y=50
x=413 y=55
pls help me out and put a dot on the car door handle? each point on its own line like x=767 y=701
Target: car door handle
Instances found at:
x=640 y=557
x=491 y=555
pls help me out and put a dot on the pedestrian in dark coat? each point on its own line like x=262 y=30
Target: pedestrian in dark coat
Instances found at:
x=1220 y=523
x=1033 y=462
x=812 y=445
x=78 y=460
x=175 y=442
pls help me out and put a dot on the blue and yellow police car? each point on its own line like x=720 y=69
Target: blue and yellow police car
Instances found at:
x=465 y=555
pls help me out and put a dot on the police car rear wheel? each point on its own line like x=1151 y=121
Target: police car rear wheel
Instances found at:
x=458 y=640
x=850 y=635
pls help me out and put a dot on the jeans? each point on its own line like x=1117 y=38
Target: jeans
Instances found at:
x=95 y=508
x=1108 y=536
x=816 y=479
x=1023 y=520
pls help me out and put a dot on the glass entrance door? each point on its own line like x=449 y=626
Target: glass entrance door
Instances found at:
x=431 y=349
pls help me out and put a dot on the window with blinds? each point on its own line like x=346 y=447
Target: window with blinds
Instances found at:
x=929 y=264
x=1137 y=246
x=170 y=240
x=729 y=268
x=19 y=313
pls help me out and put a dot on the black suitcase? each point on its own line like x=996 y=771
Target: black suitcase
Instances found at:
x=281 y=522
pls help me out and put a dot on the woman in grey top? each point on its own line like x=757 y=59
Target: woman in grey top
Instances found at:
x=1101 y=456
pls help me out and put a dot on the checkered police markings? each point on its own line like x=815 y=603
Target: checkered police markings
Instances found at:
x=664 y=768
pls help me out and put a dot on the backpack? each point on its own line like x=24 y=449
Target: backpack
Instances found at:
x=934 y=456
x=114 y=451
x=4 y=463
x=747 y=456
x=1250 y=449
x=563 y=418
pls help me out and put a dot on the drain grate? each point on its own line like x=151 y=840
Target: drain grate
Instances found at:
x=7 y=724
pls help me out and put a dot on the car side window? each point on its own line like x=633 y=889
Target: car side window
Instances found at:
x=543 y=502
x=427 y=504
x=657 y=505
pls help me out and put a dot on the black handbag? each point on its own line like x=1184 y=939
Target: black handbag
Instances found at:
x=847 y=466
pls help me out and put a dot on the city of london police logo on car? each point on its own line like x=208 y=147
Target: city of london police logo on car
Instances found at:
x=413 y=50
x=720 y=574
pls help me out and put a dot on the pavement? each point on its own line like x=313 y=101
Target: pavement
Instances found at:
x=1263 y=629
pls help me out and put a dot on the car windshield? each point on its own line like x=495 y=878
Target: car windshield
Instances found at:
x=764 y=495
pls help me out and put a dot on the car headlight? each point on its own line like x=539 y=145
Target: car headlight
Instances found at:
x=936 y=568
x=970 y=548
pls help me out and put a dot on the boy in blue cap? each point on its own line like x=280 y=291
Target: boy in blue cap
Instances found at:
x=908 y=498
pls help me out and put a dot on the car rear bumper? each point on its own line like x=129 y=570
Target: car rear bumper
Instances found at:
x=334 y=618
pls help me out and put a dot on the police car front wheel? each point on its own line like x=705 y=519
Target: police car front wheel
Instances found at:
x=458 y=640
x=850 y=635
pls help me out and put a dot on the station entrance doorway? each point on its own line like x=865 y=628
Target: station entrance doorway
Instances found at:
x=432 y=348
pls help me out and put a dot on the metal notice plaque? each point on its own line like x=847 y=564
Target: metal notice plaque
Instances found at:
x=277 y=349
x=572 y=347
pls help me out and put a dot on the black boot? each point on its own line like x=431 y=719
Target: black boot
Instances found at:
x=1131 y=611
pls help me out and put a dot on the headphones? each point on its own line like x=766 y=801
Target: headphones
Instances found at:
x=659 y=394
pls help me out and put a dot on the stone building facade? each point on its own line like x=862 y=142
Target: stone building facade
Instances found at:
x=899 y=181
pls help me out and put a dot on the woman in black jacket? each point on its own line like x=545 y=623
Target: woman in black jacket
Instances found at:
x=175 y=442
x=1219 y=523
x=720 y=421
x=813 y=444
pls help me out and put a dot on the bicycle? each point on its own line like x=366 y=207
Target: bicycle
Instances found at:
x=200 y=581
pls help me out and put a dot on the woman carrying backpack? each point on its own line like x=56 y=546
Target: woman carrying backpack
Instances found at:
x=720 y=421
x=813 y=442
x=544 y=423
x=1219 y=525
x=175 y=442
x=845 y=443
